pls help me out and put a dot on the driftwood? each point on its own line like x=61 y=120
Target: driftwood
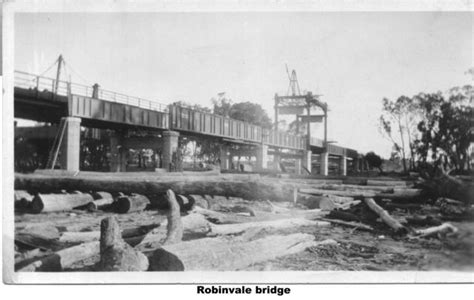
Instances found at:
x=242 y=187
x=357 y=225
x=443 y=229
x=59 y=202
x=37 y=241
x=63 y=259
x=194 y=224
x=115 y=254
x=90 y=236
x=222 y=254
x=385 y=216
x=274 y=224
x=174 y=226
x=220 y=218
x=131 y=203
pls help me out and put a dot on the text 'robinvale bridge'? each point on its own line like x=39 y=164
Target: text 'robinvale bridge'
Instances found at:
x=46 y=99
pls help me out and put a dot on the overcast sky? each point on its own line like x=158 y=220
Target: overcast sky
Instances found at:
x=352 y=59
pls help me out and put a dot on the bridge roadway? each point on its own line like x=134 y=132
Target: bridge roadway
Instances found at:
x=99 y=108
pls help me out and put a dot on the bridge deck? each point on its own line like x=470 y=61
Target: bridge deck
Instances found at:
x=118 y=109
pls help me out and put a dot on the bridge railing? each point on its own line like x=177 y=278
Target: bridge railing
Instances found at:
x=284 y=139
x=188 y=119
x=42 y=83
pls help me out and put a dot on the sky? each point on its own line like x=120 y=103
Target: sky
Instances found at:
x=353 y=59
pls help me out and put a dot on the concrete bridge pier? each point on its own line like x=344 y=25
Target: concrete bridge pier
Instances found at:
x=297 y=166
x=307 y=160
x=324 y=164
x=277 y=161
x=225 y=158
x=71 y=144
x=262 y=157
x=170 y=146
x=356 y=165
x=343 y=165
x=118 y=153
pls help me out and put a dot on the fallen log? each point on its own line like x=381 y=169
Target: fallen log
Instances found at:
x=99 y=204
x=185 y=203
x=221 y=254
x=102 y=200
x=443 y=230
x=352 y=194
x=90 y=236
x=220 y=218
x=392 y=183
x=353 y=187
x=63 y=259
x=274 y=224
x=398 y=194
x=37 y=241
x=131 y=203
x=403 y=194
x=59 y=202
x=247 y=189
x=194 y=224
x=328 y=203
x=200 y=201
x=115 y=254
x=385 y=216
x=22 y=200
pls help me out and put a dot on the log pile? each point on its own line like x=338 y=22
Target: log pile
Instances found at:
x=223 y=224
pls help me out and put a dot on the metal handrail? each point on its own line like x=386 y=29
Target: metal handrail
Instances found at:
x=43 y=83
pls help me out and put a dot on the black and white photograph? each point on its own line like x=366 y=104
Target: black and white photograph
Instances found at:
x=246 y=146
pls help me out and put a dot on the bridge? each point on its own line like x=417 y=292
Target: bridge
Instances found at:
x=45 y=99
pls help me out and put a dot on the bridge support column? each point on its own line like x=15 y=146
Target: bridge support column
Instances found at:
x=277 y=161
x=343 y=165
x=262 y=157
x=297 y=166
x=307 y=160
x=71 y=144
x=118 y=155
x=324 y=164
x=224 y=158
x=170 y=146
x=356 y=164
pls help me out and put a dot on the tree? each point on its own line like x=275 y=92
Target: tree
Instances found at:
x=197 y=107
x=250 y=112
x=244 y=111
x=398 y=123
x=446 y=129
x=221 y=105
x=374 y=160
